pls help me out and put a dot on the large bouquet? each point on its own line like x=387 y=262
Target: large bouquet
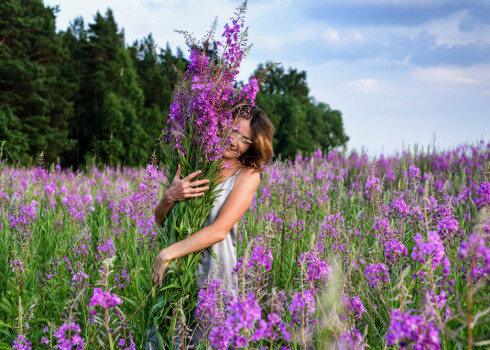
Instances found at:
x=199 y=127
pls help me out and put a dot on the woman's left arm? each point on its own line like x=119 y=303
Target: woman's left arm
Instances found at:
x=236 y=204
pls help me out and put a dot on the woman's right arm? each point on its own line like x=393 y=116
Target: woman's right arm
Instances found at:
x=179 y=190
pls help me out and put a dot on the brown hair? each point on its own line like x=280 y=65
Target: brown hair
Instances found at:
x=260 y=152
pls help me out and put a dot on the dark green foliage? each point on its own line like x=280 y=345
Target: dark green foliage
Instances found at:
x=301 y=123
x=157 y=76
x=82 y=94
x=34 y=93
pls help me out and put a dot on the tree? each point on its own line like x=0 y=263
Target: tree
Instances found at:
x=301 y=124
x=109 y=100
x=157 y=76
x=34 y=93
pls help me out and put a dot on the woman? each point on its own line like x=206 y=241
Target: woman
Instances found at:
x=250 y=150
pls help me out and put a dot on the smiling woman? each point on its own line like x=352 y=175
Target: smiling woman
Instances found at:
x=244 y=159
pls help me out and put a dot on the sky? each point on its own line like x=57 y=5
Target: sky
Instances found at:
x=402 y=72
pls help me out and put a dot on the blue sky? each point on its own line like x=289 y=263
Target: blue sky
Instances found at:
x=402 y=72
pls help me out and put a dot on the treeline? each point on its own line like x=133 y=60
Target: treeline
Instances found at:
x=83 y=94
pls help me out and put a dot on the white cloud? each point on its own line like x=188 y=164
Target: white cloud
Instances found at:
x=331 y=35
x=368 y=85
x=474 y=79
x=447 y=30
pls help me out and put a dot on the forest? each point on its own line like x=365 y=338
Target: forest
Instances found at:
x=84 y=96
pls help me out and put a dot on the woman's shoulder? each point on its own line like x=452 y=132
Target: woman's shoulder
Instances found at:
x=248 y=171
x=248 y=175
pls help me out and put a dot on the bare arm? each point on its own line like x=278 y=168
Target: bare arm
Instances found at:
x=179 y=190
x=163 y=208
x=236 y=204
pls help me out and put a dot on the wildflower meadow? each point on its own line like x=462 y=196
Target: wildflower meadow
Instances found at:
x=337 y=251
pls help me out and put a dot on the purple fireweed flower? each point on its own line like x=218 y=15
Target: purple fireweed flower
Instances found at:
x=106 y=249
x=260 y=257
x=394 y=249
x=68 y=337
x=251 y=89
x=351 y=340
x=302 y=307
x=16 y=266
x=354 y=305
x=433 y=249
x=406 y=329
x=447 y=227
x=482 y=198
x=373 y=184
x=317 y=270
x=477 y=251
x=122 y=279
x=414 y=172
x=201 y=109
x=438 y=299
x=21 y=343
x=375 y=274
x=105 y=299
x=240 y=325
x=208 y=301
x=382 y=226
x=331 y=225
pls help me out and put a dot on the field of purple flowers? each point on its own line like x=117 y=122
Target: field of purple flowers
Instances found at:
x=337 y=252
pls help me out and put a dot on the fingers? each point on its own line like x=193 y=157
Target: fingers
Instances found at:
x=199 y=183
x=157 y=278
x=191 y=175
x=197 y=189
x=179 y=171
x=193 y=195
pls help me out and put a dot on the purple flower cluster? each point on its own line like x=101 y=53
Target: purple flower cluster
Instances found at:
x=477 y=250
x=351 y=340
x=354 y=305
x=261 y=257
x=68 y=337
x=394 y=249
x=201 y=109
x=373 y=184
x=482 y=198
x=375 y=274
x=22 y=343
x=414 y=172
x=400 y=208
x=433 y=249
x=106 y=249
x=302 y=308
x=16 y=266
x=244 y=325
x=317 y=270
x=406 y=329
x=26 y=217
x=122 y=343
x=208 y=300
x=122 y=279
x=104 y=299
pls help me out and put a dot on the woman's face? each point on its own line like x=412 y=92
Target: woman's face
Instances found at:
x=242 y=140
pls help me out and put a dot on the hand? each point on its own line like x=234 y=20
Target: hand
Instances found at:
x=159 y=267
x=181 y=189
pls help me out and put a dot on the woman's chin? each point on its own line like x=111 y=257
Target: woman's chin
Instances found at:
x=230 y=154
